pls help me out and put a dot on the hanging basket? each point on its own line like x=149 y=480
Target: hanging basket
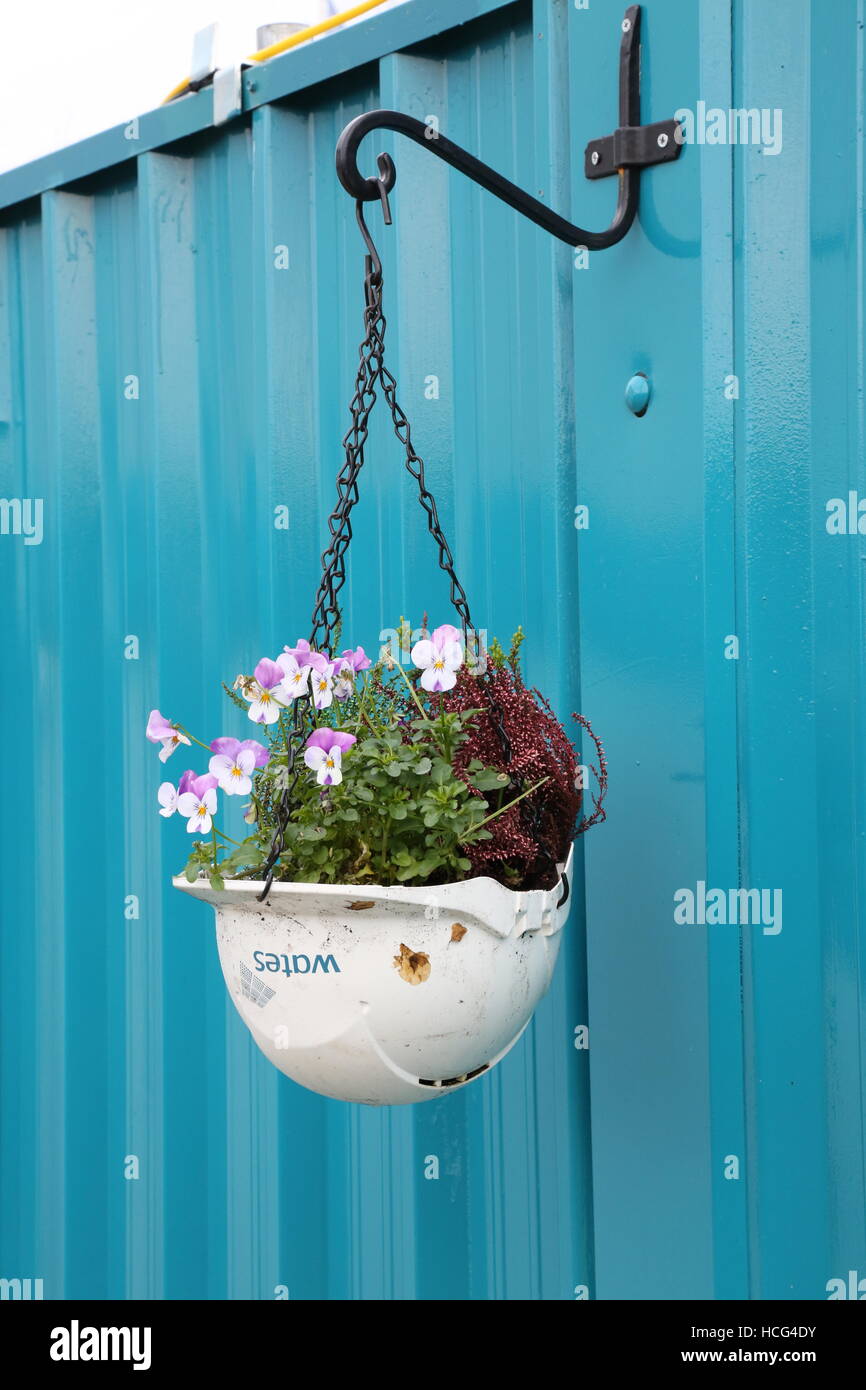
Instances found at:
x=386 y=996
x=380 y=995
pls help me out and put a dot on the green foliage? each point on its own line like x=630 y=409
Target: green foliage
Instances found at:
x=514 y=651
x=235 y=698
x=201 y=863
x=400 y=814
x=499 y=658
x=495 y=654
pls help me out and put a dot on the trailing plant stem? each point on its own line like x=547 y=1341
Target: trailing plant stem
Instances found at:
x=224 y=836
x=493 y=815
x=193 y=737
x=421 y=710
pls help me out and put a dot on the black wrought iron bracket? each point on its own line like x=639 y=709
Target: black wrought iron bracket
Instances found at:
x=631 y=148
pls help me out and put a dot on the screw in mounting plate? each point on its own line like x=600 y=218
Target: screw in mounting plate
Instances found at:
x=595 y=156
x=626 y=25
x=662 y=141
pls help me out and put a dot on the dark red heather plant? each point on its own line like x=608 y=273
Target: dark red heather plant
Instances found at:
x=529 y=840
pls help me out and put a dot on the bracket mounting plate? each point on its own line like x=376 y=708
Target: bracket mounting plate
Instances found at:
x=633 y=147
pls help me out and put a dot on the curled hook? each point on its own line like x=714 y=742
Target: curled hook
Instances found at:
x=386 y=180
x=373 y=264
x=383 y=185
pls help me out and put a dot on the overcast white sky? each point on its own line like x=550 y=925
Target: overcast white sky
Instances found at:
x=74 y=67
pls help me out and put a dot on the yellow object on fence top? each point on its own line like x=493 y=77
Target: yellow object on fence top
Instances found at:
x=311 y=32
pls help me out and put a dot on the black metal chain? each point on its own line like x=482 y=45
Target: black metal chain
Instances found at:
x=326 y=610
x=415 y=466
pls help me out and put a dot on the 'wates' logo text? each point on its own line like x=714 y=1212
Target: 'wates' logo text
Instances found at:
x=300 y=965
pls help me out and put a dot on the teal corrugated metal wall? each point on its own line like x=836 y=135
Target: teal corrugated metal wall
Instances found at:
x=164 y=386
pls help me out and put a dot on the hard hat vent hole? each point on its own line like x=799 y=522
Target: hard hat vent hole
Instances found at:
x=455 y=1080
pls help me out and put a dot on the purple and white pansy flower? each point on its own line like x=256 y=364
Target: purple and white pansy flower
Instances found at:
x=324 y=754
x=199 y=803
x=346 y=667
x=344 y=681
x=302 y=652
x=322 y=681
x=357 y=659
x=234 y=762
x=296 y=674
x=159 y=730
x=266 y=693
x=168 y=794
x=439 y=656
